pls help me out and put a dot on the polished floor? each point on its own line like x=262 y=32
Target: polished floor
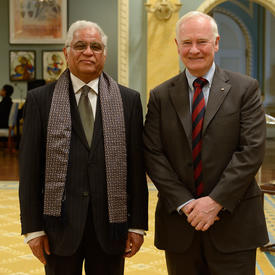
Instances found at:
x=17 y=259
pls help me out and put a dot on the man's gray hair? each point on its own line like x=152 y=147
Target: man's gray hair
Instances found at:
x=193 y=14
x=83 y=24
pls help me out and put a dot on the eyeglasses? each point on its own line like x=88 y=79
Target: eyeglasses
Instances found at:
x=81 y=46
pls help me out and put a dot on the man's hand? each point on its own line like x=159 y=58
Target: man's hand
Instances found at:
x=202 y=213
x=38 y=246
x=133 y=244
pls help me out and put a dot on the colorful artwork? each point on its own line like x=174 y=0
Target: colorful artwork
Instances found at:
x=22 y=65
x=33 y=21
x=54 y=64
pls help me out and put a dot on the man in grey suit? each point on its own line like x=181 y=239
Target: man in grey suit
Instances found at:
x=204 y=142
x=83 y=193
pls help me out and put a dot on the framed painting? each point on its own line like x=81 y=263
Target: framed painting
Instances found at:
x=54 y=64
x=22 y=65
x=37 y=22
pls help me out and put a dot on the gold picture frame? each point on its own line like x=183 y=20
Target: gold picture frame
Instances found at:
x=53 y=64
x=37 y=22
x=22 y=65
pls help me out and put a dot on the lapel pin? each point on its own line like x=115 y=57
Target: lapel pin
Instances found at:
x=222 y=89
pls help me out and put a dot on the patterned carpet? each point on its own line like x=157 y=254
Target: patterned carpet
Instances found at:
x=16 y=258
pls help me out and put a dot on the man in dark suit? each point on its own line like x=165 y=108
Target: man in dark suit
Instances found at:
x=83 y=193
x=204 y=142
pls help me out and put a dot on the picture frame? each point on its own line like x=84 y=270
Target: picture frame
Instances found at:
x=37 y=22
x=22 y=65
x=53 y=64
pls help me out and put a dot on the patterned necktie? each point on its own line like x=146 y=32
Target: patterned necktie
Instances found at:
x=86 y=113
x=198 y=110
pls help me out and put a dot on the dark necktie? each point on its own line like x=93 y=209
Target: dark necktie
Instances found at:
x=86 y=113
x=198 y=110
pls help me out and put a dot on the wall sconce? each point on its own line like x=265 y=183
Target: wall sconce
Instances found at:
x=163 y=9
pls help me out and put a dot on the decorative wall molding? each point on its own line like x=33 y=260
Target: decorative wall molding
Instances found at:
x=268 y=4
x=247 y=36
x=248 y=9
x=123 y=42
x=163 y=9
x=208 y=5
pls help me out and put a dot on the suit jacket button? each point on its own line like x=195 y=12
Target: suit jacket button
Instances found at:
x=85 y=194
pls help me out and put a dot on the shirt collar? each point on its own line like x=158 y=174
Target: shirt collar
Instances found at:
x=209 y=76
x=78 y=84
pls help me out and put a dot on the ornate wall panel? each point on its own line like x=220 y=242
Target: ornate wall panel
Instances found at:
x=123 y=42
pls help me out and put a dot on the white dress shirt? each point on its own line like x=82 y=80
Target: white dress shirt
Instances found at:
x=78 y=84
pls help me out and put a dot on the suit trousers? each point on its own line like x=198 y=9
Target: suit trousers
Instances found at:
x=96 y=261
x=202 y=258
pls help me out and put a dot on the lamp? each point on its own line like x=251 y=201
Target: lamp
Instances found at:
x=163 y=9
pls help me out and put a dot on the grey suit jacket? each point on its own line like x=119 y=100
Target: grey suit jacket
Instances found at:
x=85 y=188
x=233 y=145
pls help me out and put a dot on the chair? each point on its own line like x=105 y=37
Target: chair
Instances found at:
x=9 y=132
x=269 y=187
x=270 y=126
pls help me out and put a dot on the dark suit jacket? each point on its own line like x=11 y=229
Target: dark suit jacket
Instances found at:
x=5 y=107
x=86 y=180
x=232 y=151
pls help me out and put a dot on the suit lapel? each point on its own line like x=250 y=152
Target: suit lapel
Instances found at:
x=179 y=94
x=218 y=92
